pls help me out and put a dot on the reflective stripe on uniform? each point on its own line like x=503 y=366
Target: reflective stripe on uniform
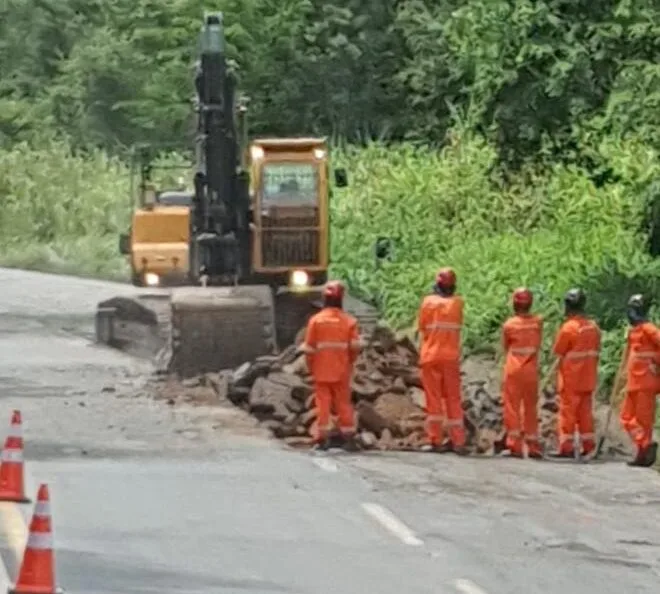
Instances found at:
x=455 y=423
x=565 y=438
x=514 y=433
x=442 y=326
x=11 y=455
x=644 y=355
x=435 y=418
x=40 y=541
x=581 y=355
x=523 y=350
x=585 y=436
x=305 y=348
x=356 y=344
x=332 y=345
x=531 y=438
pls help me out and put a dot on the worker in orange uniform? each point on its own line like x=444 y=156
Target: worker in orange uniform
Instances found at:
x=642 y=361
x=439 y=325
x=577 y=348
x=332 y=344
x=522 y=335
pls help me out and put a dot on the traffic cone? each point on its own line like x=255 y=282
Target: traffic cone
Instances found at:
x=37 y=572
x=12 y=480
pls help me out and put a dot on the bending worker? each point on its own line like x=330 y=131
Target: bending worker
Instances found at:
x=641 y=359
x=332 y=344
x=522 y=336
x=439 y=324
x=577 y=348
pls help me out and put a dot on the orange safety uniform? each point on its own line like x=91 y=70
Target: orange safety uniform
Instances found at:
x=578 y=346
x=332 y=344
x=642 y=383
x=439 y=324
x=522 y=335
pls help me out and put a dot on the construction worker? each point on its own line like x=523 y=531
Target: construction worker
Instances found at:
x=332 y=344
x=641 y=360
x=439 y=325
x=577 y=348
x=522 y=335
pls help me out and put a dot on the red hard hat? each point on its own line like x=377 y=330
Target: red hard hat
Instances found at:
x=334 y=289
x=522 y=297
x=446 y=278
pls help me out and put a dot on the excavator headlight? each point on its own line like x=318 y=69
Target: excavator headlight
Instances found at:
x=256 y=152
x=299 y=279
x=151 y=279
x=319 y=154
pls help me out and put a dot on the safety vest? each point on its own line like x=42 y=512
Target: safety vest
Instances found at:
x=439 y=323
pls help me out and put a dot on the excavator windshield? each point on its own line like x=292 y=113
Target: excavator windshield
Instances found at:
x=290 y=184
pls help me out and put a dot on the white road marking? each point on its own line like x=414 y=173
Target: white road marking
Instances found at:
x=325 y=464
x=468 y=587
x=389 y=521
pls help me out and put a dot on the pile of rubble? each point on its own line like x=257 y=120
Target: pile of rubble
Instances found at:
x=387 y=392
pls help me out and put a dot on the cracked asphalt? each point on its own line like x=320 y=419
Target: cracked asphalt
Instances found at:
x=150 y=498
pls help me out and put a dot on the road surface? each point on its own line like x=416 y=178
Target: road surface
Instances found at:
x=197 y=500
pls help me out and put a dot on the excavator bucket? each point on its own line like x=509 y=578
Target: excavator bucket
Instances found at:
x=220 y=327
x=195 y=330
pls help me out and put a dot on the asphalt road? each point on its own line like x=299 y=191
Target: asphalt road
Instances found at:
x=196 y=500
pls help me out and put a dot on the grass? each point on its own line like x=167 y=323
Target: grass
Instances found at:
x=551 y=230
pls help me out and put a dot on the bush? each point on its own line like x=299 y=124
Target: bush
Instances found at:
x=63 y=211
x=548 y=231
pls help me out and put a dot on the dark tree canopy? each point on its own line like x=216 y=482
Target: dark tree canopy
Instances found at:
x=531 y=74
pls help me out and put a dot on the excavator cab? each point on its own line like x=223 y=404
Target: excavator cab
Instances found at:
x=290 y=211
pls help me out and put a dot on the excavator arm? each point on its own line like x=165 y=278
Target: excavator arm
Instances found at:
x=221 y=204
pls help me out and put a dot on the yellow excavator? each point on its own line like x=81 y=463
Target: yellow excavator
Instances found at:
x=249 y=243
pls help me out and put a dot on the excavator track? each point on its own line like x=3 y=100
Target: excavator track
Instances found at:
x=194 y=330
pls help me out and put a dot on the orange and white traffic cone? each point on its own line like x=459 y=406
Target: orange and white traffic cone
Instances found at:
x=37 y=572
x=12 y=480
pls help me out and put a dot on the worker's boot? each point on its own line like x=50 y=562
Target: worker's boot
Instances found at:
x=534 y=451
x=350 y=443
x=445 y=448
x=650 y=455
x=322 y=445
x=436 y=448
x=460 y=450
x=639 y=458
x=563 y=454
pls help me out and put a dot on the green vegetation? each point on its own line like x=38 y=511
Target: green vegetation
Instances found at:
x=516 y=141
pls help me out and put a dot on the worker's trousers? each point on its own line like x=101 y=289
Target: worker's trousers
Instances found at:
x=638 y=416
x=444 y=409
x=520 y=401
x=334 y=398
x=576 y=412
